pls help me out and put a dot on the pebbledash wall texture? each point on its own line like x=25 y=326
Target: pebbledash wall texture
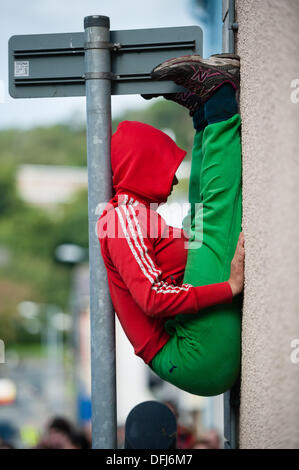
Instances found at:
x=268 y=43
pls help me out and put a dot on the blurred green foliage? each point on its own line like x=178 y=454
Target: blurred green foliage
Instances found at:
x=29 y=234
x=61 y=144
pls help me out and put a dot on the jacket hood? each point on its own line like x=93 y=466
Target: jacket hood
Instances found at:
x=144 y=161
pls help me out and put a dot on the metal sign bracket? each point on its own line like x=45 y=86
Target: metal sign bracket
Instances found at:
x=116 y=46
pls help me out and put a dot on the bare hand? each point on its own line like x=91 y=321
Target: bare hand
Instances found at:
x=236 y=279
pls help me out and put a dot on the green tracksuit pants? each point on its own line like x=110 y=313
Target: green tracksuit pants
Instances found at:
x=202 y=355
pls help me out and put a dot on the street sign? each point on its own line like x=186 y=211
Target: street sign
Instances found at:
x=52 y=65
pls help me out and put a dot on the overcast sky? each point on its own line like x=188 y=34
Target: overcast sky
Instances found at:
x=62 y=16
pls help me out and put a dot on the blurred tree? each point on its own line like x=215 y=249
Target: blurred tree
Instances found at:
x=65 y=144
x=9 y=200
x=11 y=293
x=61 y=144
x=72 y=225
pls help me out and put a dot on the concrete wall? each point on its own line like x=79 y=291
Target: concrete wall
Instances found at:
x=268 y=43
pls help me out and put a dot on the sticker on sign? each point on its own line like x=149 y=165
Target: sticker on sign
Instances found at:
x=21 y=68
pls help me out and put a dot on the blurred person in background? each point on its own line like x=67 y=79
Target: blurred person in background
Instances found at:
x=201 y=444
x=5 y=445
x=185 y=435
x=61 y=434
x=209 y=440
x=9 y=435
x=213 y=438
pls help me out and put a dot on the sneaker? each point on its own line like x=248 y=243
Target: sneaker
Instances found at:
x=201 y=76
x=189 y=100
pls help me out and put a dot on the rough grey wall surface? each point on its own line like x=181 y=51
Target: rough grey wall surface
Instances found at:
x=268 y=43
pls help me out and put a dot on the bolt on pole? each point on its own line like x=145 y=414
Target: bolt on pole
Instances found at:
x=98 y=109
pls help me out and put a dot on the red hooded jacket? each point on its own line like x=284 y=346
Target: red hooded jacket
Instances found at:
x=145 y=258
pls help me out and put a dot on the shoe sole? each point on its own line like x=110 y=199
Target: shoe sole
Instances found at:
x=215 y=63
x=218 y=63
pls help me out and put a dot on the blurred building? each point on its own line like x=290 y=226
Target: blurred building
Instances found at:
x=49 y=185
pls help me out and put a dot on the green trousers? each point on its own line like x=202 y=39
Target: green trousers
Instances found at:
x=202 y=355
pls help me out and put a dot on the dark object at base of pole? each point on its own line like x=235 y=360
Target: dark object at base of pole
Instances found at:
x=150 y=425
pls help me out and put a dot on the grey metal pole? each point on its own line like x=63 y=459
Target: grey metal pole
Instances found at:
x=98 y=108
x=231 y=398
